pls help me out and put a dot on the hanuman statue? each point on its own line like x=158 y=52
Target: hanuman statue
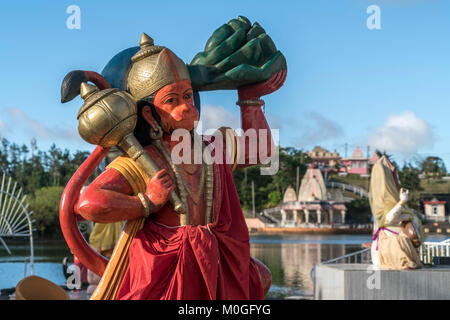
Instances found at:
x=185 y=235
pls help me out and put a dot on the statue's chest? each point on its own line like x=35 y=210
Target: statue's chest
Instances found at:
x=193 y=184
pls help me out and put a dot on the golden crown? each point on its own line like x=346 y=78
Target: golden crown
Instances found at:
x=153 y=68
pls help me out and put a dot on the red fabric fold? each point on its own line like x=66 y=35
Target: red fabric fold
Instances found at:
x=195 y=262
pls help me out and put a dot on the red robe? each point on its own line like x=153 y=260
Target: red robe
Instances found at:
x=194 y=262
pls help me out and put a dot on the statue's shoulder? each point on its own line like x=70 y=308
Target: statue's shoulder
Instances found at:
x=229 y=142
x=136 y=177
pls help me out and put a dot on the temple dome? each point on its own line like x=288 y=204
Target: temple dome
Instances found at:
x=289 y=195
x=313 y=186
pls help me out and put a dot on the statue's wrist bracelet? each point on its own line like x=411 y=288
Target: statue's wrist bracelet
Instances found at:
x=250 y=102
x=145 y=203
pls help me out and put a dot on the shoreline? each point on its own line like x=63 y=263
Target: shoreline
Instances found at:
x=275 y=230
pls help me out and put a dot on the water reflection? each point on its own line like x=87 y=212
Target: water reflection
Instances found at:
x=291 y=258
x=47 y=258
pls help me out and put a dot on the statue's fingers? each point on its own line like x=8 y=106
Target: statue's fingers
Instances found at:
x=255 y=31
x=218 y=36
x=272 y=82
x=282 y=78
x=245 y=20
x=251 y=74
x=250 y=54
x=276 y=63
x=267 y=45
x=167 y=185
x=245 y=74
x=263 y=73
x=161 y=173
x=163 y=176
x=278 y=83
x=199 y=58
x=224 y=49
x=166 y=181
x=239 y=23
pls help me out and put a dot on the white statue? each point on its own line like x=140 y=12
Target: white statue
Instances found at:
x=397 y=230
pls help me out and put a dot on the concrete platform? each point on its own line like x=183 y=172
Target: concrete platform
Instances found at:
x=366 y=282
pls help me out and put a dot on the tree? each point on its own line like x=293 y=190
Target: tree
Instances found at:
x=433 y=167
x=269 y=190
x=409 y=179
x=274 y=198
x=358 y=211
x=45 y=206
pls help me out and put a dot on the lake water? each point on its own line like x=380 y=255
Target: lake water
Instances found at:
x=289 y=257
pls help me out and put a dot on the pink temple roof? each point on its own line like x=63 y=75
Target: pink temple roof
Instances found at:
x=357 y=155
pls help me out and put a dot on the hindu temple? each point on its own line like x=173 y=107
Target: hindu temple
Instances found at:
x=314 y=204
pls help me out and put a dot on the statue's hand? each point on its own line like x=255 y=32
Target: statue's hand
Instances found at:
x=404 y=195
x=257 y=90
x=159 y=188
x=237 y=53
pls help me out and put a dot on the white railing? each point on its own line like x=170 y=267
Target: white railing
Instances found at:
x=348 y=187
x=438 y=219
x=361 y=256
x=268 y=214
x=428 y=250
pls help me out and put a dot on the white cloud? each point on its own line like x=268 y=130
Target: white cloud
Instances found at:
x=39 y=130
x=2 y=126
x=214 y=117
x=402 y=133
x=315 y=129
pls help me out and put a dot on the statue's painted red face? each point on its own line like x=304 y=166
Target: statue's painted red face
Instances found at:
x=175 y=105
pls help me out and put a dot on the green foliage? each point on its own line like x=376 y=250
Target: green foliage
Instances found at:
x=269 y=190
x=409 y=179
x=358 y=211
x=274 y=199
x=42 y=176
x=38 y=169
x=45 y=206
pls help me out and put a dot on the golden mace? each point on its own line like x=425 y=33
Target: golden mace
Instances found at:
x=108 y=118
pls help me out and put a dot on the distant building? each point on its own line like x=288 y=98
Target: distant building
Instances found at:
x=435 y=206
x=333 y=162
x=324 y=159
x=314 y=203
x=356 y=164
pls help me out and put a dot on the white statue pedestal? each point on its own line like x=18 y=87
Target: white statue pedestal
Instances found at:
x=366 y=282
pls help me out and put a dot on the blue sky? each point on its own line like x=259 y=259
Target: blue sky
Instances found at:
x=346 y=84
